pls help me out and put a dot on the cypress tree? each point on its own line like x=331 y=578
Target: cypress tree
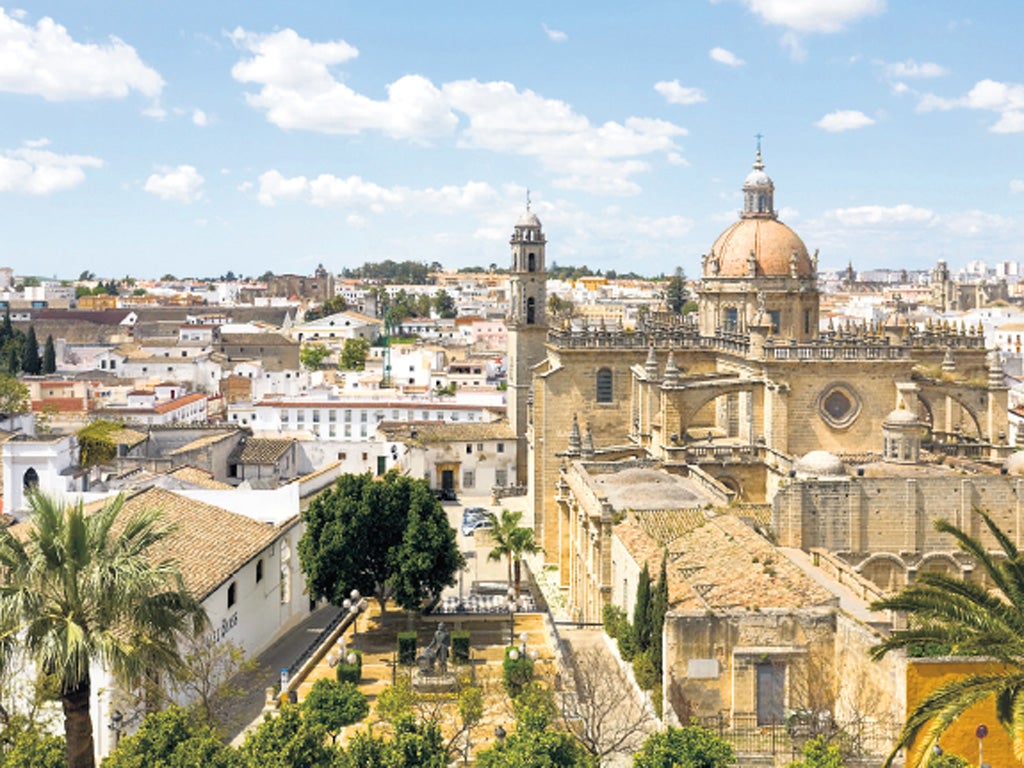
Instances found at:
x=31 y=363
x=13 y=361
x=659 y=607
x=642 y=609
x=6 y=330
x=49 y=356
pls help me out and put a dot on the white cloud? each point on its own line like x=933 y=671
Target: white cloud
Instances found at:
x=555 y=35
x=299 y=91
x=914 y=69
x=875 y=215
x=200 y=118
x=329 y=191
x=675 y=93
x=814 y=15
x=37 y=143
x=182 y=184
x=728 y=58
x=844 y=120
x=155 y=111
x=975 y=223
x=36 y=171
x=44 y=60
x=1006 y=99
x=676 y=159
x=1017 y=185
x=792 y=43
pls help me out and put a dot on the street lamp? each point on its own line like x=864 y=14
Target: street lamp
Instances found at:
x=511 y=616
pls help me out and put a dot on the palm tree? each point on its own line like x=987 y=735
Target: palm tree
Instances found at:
x=511 y=541
x=82 y=588
x=965 y=619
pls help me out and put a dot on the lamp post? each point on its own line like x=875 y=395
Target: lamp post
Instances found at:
x=981 y=732
x=116 y=725
x=511 y=616
x=353 y=605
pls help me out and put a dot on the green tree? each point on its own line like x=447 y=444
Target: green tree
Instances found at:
x=561 y=309
x=96 y=442
x=49 y=356
x=966 y=619
x=332 y=306
x=82 y=588
x=353 y=354
x=311 y=355
x=173 y=738
x=642 y=609
x=24 y=744
x=536 y=742
x=385 y=537
x=659 y=607
x=512 y=541
x=688 y=747
x=332 y=706
x=675 y=291
x=287 y=741
x=415 y=745
x=13 y=398
x=6 y=330
x=31 y=362
x=818 y=753
x=444 y=304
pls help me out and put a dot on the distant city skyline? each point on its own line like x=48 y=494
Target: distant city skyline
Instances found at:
x=195 y=139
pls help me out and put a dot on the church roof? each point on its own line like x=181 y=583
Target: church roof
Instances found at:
x=772 y=243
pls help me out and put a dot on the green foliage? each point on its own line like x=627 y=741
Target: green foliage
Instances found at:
x=612 y=616
x=534 y=706
x=396 y=701
x=312 y=355
x=642 y=610
x=560 y=309
x=24 y=744
x=970 y=619
x=627 y=642
x=946 y=760
x=76 y=593
x=287 y=741
x=818 y=753
x=332 y=306
x=353 y=354
x=49 y=356
x=415 y=745
x=448 y=390
x=675 y=291
x=350 y=672
x=460 y=646
x=13 y=397
x=444 y=304
x=516 y=672
x=31 y=362
x=644 y=671
x=511 y=541
x=407 y=648
x=332 y=705
x=96 y=442
x=173 y=738
x=688 y=747
x=659 y=607
x=394 y=272
x=389 y=537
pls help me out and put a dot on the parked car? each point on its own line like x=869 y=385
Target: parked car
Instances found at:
x=471 y=526
x=445 y=494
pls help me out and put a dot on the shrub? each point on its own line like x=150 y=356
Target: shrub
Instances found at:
x=460 y=646
x=628 y=645
x=407 y=648
x=644 y=671
x=612 y=616
x=351 y=672
x=516 y=673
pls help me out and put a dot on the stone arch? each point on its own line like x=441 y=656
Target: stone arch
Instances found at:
x=886 y=571
x=30 y=481
x=978 y=575
x=691 y=403
x=733 y=485
x=940 y=562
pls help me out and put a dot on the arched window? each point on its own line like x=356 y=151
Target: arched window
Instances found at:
x=532 y=261
x=30 y=481
x=531 y=311
x=604 y=385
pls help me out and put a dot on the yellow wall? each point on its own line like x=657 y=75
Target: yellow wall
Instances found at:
x=924 y=676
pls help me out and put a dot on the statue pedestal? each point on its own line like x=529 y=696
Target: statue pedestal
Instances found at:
x=437 y=682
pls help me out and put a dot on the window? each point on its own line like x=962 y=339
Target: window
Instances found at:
x=342 y=456
x=730 y=319
x=259 y=571
x=469 y=447
x=468 y=479
x=501 y=448
x=501 y=477
x=332 y=416
x=531 y=261
x=776 y=317
x=479 y=447
x=231 y=594
x=531 y=311
x=604 y=385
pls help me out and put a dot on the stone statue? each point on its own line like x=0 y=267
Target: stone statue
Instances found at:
x=436 y=654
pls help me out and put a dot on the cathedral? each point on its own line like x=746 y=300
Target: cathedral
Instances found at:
x=746 y=431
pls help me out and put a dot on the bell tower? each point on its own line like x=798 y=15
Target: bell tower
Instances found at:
x=527 y=323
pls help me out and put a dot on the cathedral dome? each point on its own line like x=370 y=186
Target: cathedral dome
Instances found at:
x=528 y=219
x=819 y=464
x=772 y=243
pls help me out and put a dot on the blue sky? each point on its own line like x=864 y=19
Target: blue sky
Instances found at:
x=199 y=137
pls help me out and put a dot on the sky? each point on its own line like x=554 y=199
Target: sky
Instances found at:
x=196 y=138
